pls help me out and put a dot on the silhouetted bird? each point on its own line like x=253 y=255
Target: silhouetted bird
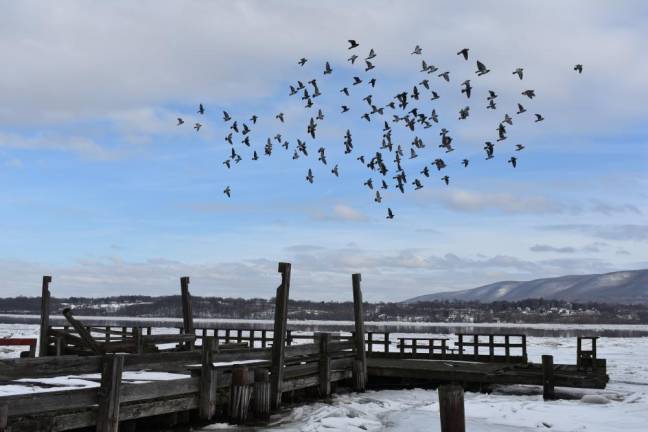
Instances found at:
x=302 y=61
x=521 y=109
x=280 y=117
x=519 y=147
x=529 y=93
x=201 y=109
x=481 y=69
x=465 y=162
x=464 y=53
x=197 y=126
x=327 y=69
x=539 y=118
x=226 y=116
x=227 y=191
x=417 y=50
x=180 y=121
x=353 y=58
x=310 y=177
x=578 y=68
x=513 y=161
x=519 y=72
x=446 y=179
x=390 y=214
x=353 y=44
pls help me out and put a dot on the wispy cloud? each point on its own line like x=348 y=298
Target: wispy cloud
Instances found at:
x=624 y=232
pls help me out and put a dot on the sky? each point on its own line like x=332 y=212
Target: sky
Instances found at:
x=101 y=189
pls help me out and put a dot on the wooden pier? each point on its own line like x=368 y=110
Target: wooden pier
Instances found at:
x=241 y=375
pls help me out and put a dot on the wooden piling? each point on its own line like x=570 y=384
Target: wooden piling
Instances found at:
x=324 y=339
x=261 y=395
x=548 y=392
x=187 y=313
x=108 y=411
x=451 y=408
x=240 y=395
x=4 y=417
x=279 y=334
x=43 y=336
x=207 y=398
x=358 y=315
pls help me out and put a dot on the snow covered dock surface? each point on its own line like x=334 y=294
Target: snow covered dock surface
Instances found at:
x=623 y=406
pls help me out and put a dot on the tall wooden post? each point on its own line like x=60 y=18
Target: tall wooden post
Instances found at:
x=451 y=408
x=43 y=337
x=207 y=398
x=360 y=365
x=187 y=313
x=547 y=378
x=279 y=334
x=108 y=411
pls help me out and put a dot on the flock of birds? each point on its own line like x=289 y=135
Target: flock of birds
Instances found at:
x=412 y=120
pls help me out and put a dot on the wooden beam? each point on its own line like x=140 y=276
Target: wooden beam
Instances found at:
x=358 y=316
x=451 y=408
x=279 y=334
x=109 y=393
x=208 y=382
x=85 y=335
x=43 y=341
x=187 y=313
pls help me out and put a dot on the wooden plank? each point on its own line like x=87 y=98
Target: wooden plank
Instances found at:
x=11 y=369
x=279 y=335
x=108 y=411
x=43 y=335
x=451 y=408
x=187 y=313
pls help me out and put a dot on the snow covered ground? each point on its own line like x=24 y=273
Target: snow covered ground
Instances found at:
x=622 y=406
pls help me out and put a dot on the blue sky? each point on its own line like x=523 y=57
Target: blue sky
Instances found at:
x=104 y=192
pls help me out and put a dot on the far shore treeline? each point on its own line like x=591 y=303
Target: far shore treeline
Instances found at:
x=524 y=311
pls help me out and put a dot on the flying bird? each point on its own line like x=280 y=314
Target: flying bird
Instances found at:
x=180 y=121
x=465 y=162
x=327 y=69
x=201 y=109
x=197 y=126
x=280 y=117
x=371 y=55
x=310 y=177
x=467 y=88
x=446 y=179
x=539 y=118
x=513 y=161
x=579 y=68
x=481 y=69
x=335 y=171
x=519 y=147
x=521 y=109
x=227 y=191
x=302 y=61
x=529 y=93
x=519 y=72
x=445 y=76
x=226 y=116
x=390 y=214
x=464 y=53
x=417 y=50
x=353 y=44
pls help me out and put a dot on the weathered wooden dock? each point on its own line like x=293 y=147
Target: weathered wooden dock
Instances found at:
x=243 y=374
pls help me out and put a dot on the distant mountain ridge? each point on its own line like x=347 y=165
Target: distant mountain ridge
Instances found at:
x=616 y=287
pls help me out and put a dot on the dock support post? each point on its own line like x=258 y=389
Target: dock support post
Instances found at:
x=279 y=334
x=451 y=408
x=43 y=336
x=323 y=339
x=187 y=313
x=108 y=411
x=207 y=403
x=360 y=365
x=4 y=417
x=240 y=395
x=261 y=396
x=547 y=378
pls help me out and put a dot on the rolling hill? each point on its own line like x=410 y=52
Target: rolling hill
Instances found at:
x=617 y=287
